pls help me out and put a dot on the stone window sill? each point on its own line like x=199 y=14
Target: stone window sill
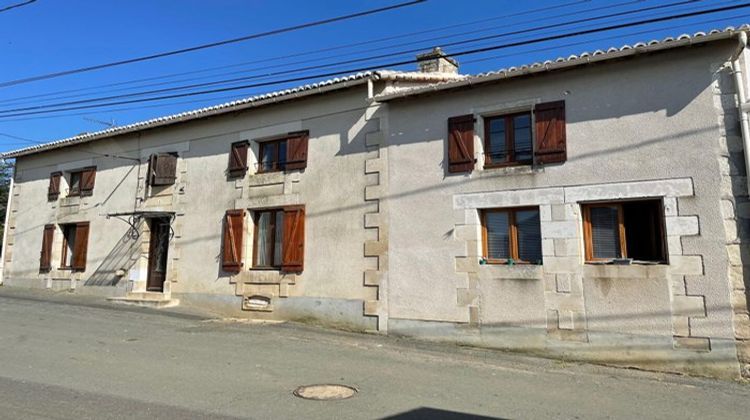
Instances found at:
x=519 y=271
x=625 y=271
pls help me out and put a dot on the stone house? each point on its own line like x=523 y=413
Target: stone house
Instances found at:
x=593 y=207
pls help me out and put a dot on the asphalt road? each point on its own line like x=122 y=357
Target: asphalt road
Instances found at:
x=67 y=357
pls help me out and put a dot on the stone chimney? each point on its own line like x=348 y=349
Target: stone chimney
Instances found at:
x=436 y=61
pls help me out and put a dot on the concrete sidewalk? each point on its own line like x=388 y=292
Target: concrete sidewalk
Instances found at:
x=70 y=356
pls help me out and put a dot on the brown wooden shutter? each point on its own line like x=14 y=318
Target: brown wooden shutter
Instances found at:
x=45 y=259
x=550 y=144
x=461 y=144
x=81 y=246
x=162 y=169
x=231 y=257
x=54 y=185
x=88 y=178
x=296 y=150
x=238 y=158
x=293 y=245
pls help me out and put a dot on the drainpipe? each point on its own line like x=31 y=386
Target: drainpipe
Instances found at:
x=742 y=99
x=5 y=230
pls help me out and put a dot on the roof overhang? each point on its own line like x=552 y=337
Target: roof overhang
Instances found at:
x=567 y=63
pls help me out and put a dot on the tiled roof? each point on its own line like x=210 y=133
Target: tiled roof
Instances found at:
x=570 y=61
x=441 y=81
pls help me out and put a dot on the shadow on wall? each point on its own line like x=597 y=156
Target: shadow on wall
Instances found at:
x=122 y=257
x=429 y=413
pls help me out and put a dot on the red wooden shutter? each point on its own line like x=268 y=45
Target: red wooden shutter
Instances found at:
x=80 y=247
x=54 y=185
x=45 y=258
x=231 y=257
x=293 y=245
x=461 y=144
x=88 y=178
x=162 y=169
x=296 y=150
x=238 y=158
x=550 y=132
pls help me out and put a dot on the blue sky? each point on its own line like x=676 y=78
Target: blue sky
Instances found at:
x=54 y=35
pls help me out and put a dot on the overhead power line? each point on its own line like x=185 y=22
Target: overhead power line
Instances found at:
x=32 y=98
x=212 y=44
x=398 y=63
x=236 y=96
x=13 y=6
x=345 y=62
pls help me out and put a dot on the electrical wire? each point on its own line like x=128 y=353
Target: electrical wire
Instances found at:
x=351 y=61
x=210 y=45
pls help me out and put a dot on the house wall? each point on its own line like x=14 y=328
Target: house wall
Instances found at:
x=636 y=128
x=332 y=188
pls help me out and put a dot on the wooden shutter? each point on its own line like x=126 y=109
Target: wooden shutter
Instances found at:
x=461 y=144
x=238 y=158
x=88 y=178
x=54 y=185
x=45 y=258
x=293 y=245
x=296 y=150
x=550 y=132
x=80 y=247
x=231 y=257
x=162 y=169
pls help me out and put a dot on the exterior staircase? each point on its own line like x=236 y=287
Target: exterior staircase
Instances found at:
x=146 y=299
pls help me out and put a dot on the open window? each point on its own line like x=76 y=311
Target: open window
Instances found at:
x=75 y=246
x=624 y=230
x=80 y=182
x=512 y=236
x=279 y=238
x=283 y=154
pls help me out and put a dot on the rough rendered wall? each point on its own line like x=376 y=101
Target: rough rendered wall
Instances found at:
x=332 y=188
x=638 y=128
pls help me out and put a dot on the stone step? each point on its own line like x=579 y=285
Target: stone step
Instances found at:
x=146 y=299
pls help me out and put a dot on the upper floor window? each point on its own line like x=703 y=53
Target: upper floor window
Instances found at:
x=284 y=154
x=507 y=140
x=162 y=169
x=272 y=156
x=512 y=236
x=626 y=229
x=81 y=182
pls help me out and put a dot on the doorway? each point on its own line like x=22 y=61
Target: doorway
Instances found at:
x=157 y=253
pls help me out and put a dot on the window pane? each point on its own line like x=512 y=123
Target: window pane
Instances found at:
x=282 y=155
x=529 y=236
x=605 y=234
x=70 y=239
x=279 y=234
x=522 y=137
x=264 y=224
x=497 y=152
x=498 y=245
x=269 y=155
x=75 y=181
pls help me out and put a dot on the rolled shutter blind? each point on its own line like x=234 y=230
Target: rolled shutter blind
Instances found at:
x=529 y=236
x=498 y=235
x=605 y=232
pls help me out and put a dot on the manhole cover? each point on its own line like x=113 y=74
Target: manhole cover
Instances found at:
x=325 y=392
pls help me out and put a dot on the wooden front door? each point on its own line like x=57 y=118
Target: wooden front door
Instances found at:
x=157 y=253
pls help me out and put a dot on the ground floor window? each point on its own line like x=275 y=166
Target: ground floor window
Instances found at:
x=625 y=229
x=75 y=245
x=269 y=233
x=512 y=236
